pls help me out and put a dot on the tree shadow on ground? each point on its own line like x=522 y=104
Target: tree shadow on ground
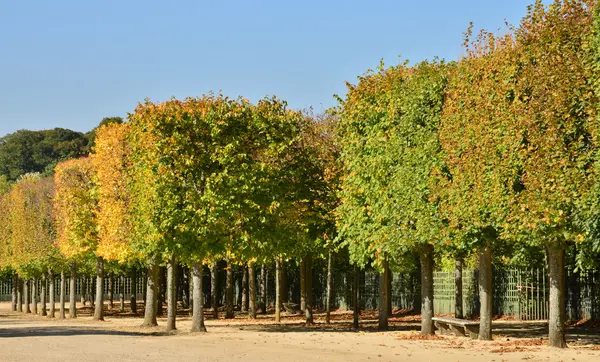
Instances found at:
x=20 y=329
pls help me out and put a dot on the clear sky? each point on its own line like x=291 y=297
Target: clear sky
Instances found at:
x=71 y=63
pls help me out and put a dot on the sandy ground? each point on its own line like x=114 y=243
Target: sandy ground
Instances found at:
x=35 y=338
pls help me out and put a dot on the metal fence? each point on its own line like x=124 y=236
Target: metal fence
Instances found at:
x=517 y=293
x=84 y=286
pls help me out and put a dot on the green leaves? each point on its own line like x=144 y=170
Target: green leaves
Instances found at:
x=389 y=132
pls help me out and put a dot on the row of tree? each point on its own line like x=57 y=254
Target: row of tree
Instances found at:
x=498 y=150
x=492 y=156
x=183 y=182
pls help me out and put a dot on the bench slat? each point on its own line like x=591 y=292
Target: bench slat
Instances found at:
x=455 y=321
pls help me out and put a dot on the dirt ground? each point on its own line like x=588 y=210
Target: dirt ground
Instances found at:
x=119 y=338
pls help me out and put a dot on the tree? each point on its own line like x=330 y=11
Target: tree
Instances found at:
x=558 y=120
x=75 y=202
x=93 y=134
x=389 y=128
x=110 y=161
x=38 y=151
x=481 y=178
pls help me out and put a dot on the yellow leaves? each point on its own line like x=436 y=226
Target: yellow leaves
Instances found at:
x=113 y=217
x=75 y=205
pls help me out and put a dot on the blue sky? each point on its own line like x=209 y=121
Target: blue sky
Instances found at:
x=71 y=63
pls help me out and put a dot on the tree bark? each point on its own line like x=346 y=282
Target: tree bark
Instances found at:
x=151 y=294
x=63 y=291
x=356 y=297
x=417 y=300
x=485 y=292
x=458 y=290
x=121 y=294
x=308 y=288
x=19 y=295
x=388 y=285
x=160 y=291
x=26 y=295
x=132 y=290
x=191 y=291
x=73 y=285
x=427 y=289
x=329 y=287
x=278 y=288
x=557 y=315
x=145 y=287
x=214 y=285
x=171 y=294
x=251 y=291
x=84 y=290
x=244 y=303
x=13 y=301
x=99 y=304
x=285 y=293
x=52 y=297
x=263 y=289
x=43 y=310
x=229 y=291
x=111 y=291
x=383 y=296
x=34 y=296
x=197 y=299
x=303 y=285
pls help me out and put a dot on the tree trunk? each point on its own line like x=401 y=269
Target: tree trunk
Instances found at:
x=356 y=297
x=84 y=288
x=34 y=296
x=244 y=303
x=63 y=292
x=416 y=280
x=251 y=291
x=99 y=304
x=214 y=285
x=278 y=293
x=557 y=315
x=26 y=295
x=427 y=289
x=263 y=289
x=13 y=301
x=383 y=296
x=132 y=290
x=329 y=287
x=191 y=291
x=20 y=295
x=303 y=285
x=229 y=291
x=43 y=310
x=171 y=294
x=458 y=288
x=145 y=287
x=122 y=294
x=151 y=294
x=285 y=293
x=485 y=292
x=197 y=299
x=160 y=291
x=308 y=288
x=73 y=285
x=111 y=291
x=388 y=284
x=52 y=301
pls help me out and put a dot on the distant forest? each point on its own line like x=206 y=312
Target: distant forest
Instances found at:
x=27 y=151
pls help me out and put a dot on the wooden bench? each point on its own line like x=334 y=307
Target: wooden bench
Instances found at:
x=292 y=308
x=459 y=327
